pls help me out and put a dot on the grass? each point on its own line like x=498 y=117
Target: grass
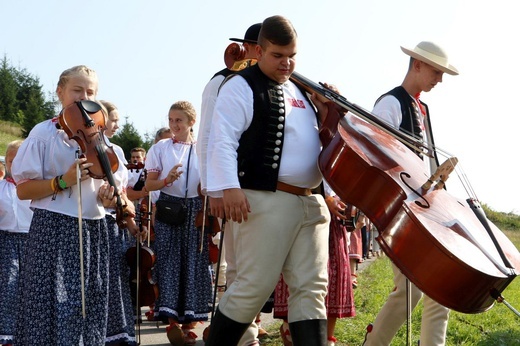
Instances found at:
x=498 y=326
x=8 y=132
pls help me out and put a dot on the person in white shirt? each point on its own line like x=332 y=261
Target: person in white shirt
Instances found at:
x=120 y=324
x=182 y=264
x=46 y=170
x=209 y=97
x=402 y=109
x=15 y=219
x=262 y=160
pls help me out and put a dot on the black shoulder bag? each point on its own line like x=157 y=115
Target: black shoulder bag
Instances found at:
x=172 y=212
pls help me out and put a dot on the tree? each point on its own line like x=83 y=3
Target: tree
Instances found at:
x=8 y=90
x=127 y=138
x=22 y=100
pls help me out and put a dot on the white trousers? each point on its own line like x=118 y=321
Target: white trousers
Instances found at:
x=286 y=234
x=250 y=336
x=434 y=320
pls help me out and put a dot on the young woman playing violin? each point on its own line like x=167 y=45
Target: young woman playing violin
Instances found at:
x=66 y=275
x=183 y=275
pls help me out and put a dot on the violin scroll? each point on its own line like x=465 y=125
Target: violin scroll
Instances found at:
x=137 y=166
x=121 y=214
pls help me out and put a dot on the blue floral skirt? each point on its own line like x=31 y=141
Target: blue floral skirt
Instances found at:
x=120 y=324
x=12 y=249
x=50 y=310
x=182 y=270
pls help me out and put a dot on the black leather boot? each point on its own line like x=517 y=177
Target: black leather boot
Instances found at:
x=309 y=333
x=224 y=331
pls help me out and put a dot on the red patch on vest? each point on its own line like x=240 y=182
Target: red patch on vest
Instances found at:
x=297 y=103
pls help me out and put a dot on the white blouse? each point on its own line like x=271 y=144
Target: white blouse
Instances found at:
x=15 y=214
x=165 y=154
x=46 y=153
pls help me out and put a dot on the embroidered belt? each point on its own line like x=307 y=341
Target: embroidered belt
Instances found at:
x=295 y=190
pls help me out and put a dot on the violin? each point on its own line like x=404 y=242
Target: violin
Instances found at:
x=141 y=260
x=205 y=219
x=138 y=186
x=445 y=246
x=209 y=224
x=85 y=122
x=145 y=205
x=137 y=166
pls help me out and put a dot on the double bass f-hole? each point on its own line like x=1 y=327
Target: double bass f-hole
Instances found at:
x=408 y=176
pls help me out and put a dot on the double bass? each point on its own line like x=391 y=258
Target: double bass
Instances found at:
x=445 y=246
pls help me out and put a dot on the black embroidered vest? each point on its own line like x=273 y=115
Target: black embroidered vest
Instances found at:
x=410 y=119
x=261 y=145
x=224 y=72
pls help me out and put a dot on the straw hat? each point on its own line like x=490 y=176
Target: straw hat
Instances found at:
x=251 y=35
x=433 y=55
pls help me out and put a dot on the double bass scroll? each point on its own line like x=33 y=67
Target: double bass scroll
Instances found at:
x=234 y=57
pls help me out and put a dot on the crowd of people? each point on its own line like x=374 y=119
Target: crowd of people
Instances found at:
x=290 y=245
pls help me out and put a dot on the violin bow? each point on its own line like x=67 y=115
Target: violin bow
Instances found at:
x=138 y=278
x=149 y=218
x=204 y=204
x=80 y=226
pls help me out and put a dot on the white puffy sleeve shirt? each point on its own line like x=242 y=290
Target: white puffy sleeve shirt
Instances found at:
x=209 y=97
x=15 y=214
x=165 y=154
x=46 y=153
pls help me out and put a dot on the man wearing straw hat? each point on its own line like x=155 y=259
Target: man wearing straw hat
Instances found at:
x=402 y=109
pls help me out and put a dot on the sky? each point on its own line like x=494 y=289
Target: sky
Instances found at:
x=150 y=54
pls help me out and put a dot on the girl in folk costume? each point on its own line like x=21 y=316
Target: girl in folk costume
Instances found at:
x=183 y=275
x=15 y=219
x=120 y=324
x=56 y=281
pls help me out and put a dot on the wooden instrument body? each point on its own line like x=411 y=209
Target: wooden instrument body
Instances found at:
x=433 y=238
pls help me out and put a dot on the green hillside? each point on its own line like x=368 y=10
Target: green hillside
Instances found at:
x=8 y=132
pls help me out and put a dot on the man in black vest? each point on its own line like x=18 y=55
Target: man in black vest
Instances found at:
x=402 y=109
x=262 y=159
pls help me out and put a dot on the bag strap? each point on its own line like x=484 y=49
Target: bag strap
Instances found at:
x=187 y=176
